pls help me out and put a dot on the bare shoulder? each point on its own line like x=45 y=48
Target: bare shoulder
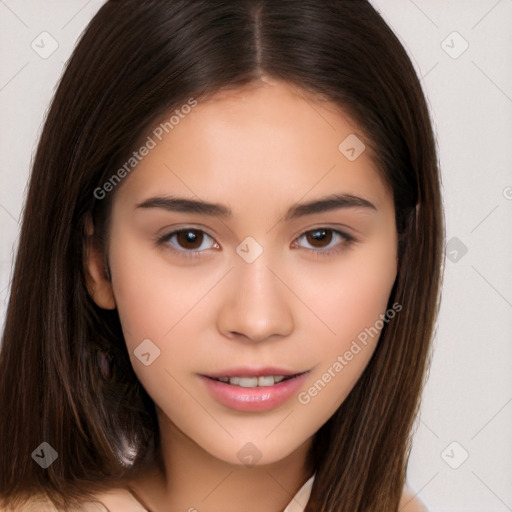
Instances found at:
x=410 y=503
x=33 y=503
x=117 y=500
x=114 y=500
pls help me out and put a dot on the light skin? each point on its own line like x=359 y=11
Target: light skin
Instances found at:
x=258 y=151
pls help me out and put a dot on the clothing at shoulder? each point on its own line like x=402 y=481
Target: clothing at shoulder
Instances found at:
x=410 y=503
x=121 y=500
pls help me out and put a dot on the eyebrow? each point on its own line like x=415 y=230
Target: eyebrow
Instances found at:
x=325 y=204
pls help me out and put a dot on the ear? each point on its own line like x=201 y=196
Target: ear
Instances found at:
x=96 y=274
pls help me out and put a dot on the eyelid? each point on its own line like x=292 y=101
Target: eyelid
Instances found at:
x=348 y=239
x=164 y=240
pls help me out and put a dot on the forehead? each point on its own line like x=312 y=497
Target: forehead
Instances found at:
x=266 y=140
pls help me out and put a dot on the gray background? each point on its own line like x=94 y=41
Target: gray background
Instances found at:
x=462 y=455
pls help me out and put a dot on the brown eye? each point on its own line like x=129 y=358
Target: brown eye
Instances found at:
x=319 y=237
x=189 y=238
x=188 y=242
x=326 y=241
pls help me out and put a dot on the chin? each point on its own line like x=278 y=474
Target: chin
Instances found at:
x=258 y=452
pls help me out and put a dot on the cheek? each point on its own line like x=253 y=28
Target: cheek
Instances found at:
x=152 y=295
x=351 y=306
x=350 y=295
x=153 y=299
x=163 y=303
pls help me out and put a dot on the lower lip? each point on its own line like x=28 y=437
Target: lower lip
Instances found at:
x=262 y=398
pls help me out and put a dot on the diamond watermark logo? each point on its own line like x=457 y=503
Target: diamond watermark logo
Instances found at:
x=249 y=250
x=454 y=455
x=454 y=45
x=249 y=455
x=45 y=45
x=45 y=455
x=147 y=352
x=455 y=249
x=352 y=147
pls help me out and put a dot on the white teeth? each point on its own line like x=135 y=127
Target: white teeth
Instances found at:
x=266 y=381
x=248 y=382
x=252 y=382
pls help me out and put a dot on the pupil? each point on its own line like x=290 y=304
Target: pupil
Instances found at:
x=189 y=237
x=319 y=236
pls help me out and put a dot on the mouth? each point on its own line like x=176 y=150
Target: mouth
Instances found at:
x=255 y=381
x=254 y=390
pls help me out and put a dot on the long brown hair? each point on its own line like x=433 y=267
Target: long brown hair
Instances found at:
x=136 y=61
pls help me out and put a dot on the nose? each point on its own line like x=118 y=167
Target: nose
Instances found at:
x=257 y=305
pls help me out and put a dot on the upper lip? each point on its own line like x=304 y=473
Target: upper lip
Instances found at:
x=252 y=372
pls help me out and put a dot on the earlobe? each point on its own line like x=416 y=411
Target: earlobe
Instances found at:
x=98 y=283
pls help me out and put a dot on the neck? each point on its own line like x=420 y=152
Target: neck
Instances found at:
x=195 y=481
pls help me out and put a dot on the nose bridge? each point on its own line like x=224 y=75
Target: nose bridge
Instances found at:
x=256 y=303
x=257 y=283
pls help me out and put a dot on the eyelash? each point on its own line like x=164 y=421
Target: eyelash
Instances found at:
x=348 y=240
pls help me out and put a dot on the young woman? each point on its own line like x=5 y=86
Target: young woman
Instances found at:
x=229 y=267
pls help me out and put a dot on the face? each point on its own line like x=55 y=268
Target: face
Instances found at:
x=256 y=286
